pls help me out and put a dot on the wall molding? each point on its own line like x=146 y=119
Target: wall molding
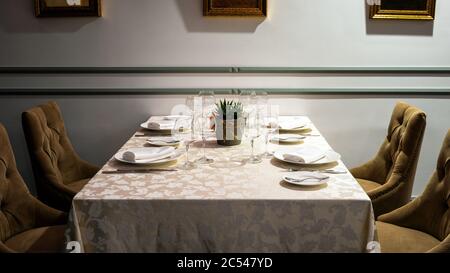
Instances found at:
x=400 y=71
x=185 y=91
x=227 y=70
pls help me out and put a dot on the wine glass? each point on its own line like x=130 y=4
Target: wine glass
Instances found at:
x=254 y=132
x=270 y=124
x=249 y=101
x=255 y=109
x=184 y=132
x=206 y=122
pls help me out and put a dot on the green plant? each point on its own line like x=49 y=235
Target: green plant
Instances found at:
x=229 y=108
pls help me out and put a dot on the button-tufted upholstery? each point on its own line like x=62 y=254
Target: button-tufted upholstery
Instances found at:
x=394 y=166
x=26 y=224
x=58 y=170
x=428 y=216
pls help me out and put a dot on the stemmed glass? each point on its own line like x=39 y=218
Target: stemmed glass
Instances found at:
x=254 y=124
x=249 y=100
x=184 y=131
x=270 y=124
x=205 y=122
x=254 y=131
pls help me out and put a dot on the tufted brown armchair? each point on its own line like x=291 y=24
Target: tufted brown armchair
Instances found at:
x=388 y=178
x=423 y=225
x=59 y=172
x=26 y=224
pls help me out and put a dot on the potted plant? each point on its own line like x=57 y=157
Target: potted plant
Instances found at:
x=229 y=122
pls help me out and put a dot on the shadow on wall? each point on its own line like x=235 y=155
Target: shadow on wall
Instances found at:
x=194 y=21
x=398 y=27
x=17 y=16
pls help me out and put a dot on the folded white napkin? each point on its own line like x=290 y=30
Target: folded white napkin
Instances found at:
x=305 y=157
x=292 y=124
x=147 y=154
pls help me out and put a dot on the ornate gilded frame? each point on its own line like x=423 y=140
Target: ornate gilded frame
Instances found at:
x=260 y=9
x=376 y=12
x=94 y=9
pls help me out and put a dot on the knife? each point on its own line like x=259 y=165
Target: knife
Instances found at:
x=138 y=171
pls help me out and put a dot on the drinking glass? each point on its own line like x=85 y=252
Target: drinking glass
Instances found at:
x=249 y=101
x=184 y=132
x=255 y=125
x=270 y=124
x=206 y=122
x=255 y=107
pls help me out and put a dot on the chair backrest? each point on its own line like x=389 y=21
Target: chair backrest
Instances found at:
x=433 y=206
x=400 y=150
x=51 y=151
x=16 y=207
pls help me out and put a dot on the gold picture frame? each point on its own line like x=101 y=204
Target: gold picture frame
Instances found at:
x=67 y=8
x=404 y=10
x=235 y=8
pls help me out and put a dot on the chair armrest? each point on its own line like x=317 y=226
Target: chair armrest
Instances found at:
x=385 y=189
x=370 y=170
x=61 y=188
x=363 y=171
x=5 y=249
x=443 y=247
x=405 y=216
x=87 y=169
x=47 y=216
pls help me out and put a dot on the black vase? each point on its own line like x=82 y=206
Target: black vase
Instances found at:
x=229 y=131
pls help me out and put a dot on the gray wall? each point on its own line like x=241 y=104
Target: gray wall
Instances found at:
x=302 y=33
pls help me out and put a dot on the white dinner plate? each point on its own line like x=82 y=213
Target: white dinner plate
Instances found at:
x=145 y=126
x=328 y=156
x=163 y=141
x=306 y=178
x=164 y=119
x=288 y=138
x=162 y=159
x=300 y=130
x=175 y=117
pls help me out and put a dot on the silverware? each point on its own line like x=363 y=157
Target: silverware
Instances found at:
x=138 y=171
x=290 y=137
x=294 y=128
x=306 y=134
x=329 y=171
x=306 y=178
x=165 y=141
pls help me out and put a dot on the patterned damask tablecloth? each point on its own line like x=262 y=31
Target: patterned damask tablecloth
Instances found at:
x=223 y=207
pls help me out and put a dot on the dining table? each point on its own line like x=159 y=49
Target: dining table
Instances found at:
x=227 y=206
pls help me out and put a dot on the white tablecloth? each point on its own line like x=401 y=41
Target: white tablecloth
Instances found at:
x=223 y=207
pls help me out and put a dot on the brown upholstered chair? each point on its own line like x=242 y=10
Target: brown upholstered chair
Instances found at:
x=59 y=172
x=423 y=225
x=388 y=178
x=26 y=224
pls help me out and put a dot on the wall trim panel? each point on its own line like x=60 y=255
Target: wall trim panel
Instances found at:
x=181 y=91
x=271 y=70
